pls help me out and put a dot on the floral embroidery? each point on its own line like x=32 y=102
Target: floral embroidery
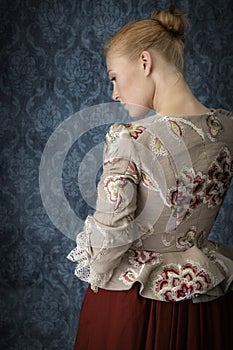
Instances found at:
x=174 y=123
x=131 y=170
x=110 y=162
x=191 y=238
x=188 y=194
x=129 y=277
x=112 y=143
x=182 y=195
x=200 y=240
x=114 y=187
x=147 y=181
x=198 y=189
x=129 y=218
x=193 y=189
x=158 y=148
x=193 y=126
x=180 y=282
x=210 y=251
x=219 y=176
x=176 y=128
x=134 y=130
x=141 y=257
x=215 y=127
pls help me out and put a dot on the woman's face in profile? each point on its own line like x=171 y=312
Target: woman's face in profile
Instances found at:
x=129 y=84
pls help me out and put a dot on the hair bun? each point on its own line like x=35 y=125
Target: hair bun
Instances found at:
x=171 y=20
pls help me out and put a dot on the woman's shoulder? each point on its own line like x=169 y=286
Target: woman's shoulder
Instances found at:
x=131 y=130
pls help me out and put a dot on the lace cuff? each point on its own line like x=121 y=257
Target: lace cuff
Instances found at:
x=84 y=271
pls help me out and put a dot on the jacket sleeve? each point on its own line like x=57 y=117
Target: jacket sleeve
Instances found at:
x=109 y=232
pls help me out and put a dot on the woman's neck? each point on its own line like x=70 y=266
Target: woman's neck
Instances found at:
x=174 y=97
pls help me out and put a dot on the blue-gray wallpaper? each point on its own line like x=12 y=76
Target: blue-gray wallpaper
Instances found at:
x=52 y=65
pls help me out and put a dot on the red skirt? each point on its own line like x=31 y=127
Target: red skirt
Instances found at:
x=123 y=320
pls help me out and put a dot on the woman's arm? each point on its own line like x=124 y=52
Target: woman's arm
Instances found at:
x=109 y=232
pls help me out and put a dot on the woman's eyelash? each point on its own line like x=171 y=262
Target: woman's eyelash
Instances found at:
x=113 y=79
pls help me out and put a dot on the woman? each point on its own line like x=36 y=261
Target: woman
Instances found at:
x=156 y=282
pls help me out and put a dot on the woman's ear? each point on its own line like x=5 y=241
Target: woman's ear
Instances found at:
x=146 y=61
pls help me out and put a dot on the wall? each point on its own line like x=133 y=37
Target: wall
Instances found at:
x=51 y=67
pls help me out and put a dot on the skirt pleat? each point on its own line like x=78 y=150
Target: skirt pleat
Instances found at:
x=123 y=320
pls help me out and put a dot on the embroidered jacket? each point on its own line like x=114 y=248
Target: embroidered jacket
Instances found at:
x=163 y=182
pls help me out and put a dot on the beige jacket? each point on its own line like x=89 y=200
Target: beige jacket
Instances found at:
x=163 y=182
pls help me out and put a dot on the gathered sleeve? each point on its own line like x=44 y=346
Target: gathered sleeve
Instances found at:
x=109 y=232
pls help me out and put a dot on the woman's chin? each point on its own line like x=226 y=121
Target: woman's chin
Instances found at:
x=135 y=111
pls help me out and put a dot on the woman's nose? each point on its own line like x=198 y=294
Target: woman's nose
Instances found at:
x=115 y=94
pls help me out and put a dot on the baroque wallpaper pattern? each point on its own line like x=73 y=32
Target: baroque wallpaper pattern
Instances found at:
x=52 y=66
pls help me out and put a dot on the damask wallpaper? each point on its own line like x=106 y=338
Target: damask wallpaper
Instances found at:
x=52 y=66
